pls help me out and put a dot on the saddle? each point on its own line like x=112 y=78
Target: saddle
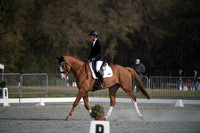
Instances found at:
x=105 y=68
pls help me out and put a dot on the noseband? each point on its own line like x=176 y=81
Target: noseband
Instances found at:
x=66 y=64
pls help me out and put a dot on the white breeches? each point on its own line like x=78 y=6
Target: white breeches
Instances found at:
x=98 y=65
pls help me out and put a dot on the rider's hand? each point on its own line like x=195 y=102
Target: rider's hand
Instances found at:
x=87 y=60
x=92 y=59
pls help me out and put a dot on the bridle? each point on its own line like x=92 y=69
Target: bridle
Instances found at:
x=66 y=64
x=69 y=70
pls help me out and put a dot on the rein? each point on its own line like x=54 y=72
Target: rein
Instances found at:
x=86 y=71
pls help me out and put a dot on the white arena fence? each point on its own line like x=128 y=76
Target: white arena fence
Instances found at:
x=51 y=85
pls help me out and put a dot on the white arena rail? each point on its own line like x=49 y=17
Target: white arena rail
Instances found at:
x=42 y=101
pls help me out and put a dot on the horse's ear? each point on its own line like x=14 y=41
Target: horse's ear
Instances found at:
x=59 y=58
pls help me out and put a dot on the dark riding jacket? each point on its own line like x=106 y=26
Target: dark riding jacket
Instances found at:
x=139 y=68
x=97 y=51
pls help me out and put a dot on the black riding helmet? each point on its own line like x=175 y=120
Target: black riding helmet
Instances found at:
x=94 y=32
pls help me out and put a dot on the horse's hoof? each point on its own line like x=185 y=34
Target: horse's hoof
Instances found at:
x=67 y=118
x=105 y=118
x=142 y=118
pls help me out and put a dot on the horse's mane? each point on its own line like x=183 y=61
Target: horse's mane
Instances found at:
x=73 y=59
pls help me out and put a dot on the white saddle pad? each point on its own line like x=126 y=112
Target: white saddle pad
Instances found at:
x=107 y=71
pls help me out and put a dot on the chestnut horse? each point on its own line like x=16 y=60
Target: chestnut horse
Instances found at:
x=122 y=77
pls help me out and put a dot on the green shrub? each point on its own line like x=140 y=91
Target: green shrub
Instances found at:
x=97 y=111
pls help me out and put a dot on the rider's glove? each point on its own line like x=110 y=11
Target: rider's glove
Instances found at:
x=87 y=60
x=92 y=59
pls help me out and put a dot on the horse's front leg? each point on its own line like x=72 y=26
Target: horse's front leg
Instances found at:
x=85 y=99
x=78 y=98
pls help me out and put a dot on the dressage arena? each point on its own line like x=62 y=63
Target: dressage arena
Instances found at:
x=158 y=117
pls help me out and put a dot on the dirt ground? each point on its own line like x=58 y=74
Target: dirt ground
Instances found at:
x=23 y=118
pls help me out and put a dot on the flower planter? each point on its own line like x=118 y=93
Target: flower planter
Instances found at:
x=100 y=118
x=97 y=112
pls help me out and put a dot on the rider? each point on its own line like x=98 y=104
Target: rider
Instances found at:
x=96 y=55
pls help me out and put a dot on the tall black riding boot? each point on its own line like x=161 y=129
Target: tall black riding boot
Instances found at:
x=100 y=76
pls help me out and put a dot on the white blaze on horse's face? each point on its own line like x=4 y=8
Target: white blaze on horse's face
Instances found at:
x=63 y=75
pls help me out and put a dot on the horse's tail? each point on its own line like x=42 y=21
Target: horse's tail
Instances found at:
x=139 y=83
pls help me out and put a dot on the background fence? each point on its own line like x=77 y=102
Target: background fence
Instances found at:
x=51 y=85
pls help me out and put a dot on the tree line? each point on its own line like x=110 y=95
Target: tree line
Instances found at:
x=163 y=34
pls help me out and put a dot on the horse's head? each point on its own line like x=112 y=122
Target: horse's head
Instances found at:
x=64 y=67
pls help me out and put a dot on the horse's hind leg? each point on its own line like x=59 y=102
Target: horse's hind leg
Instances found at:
x=133 y=99
x=127 y=87
x=112 y=93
